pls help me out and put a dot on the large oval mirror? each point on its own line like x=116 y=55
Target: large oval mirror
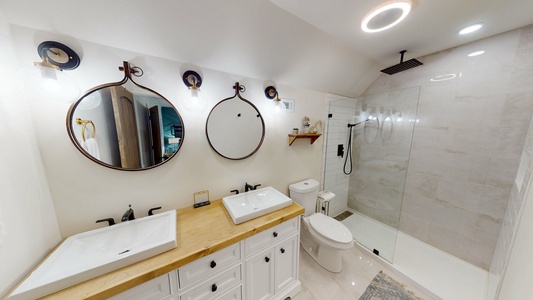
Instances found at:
x=235 y=129
x=125 y=126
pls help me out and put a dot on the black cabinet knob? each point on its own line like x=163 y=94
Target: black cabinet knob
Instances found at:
x=214 y=288
x=267 y=259
x=213 y=264
x=282 y=250
x=275 y=234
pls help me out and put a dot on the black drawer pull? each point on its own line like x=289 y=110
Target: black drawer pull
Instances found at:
x=213 y=264
x=214 y=288
x=282 y=250
x=267 y=259
x=275 y=234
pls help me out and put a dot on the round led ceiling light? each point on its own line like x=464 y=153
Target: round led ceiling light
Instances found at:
x=386 y=15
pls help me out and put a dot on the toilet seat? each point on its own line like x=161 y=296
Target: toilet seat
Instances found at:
x=330 y=228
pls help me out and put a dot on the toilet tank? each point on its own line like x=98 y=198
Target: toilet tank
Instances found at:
x=304 y=193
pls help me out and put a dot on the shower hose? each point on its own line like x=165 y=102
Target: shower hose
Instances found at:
x=349 y=153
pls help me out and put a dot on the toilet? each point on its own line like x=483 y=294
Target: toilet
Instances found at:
x=321 y=236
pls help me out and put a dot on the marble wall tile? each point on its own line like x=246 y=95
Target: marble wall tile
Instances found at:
x=468 y=144
x=471 y=153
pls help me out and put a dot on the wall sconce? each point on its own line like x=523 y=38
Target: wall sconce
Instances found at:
x=272 y=94
x=46 y=80
x=194 y=102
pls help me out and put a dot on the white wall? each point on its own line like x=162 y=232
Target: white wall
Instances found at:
x=84 y=191
x=28 y=226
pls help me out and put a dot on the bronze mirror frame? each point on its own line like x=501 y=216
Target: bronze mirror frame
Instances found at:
x=129 y=71
x=238 y=89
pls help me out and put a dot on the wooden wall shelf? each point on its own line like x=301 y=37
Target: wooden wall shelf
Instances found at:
x=293 y=137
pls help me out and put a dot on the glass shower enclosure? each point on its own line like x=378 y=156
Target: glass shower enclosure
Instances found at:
x=366 y=160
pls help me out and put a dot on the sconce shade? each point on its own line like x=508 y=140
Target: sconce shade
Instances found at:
x=195 y=101
x=272 y=94
x=46 y=81
x=43 y=83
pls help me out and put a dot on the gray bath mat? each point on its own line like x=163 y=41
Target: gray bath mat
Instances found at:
x=384 y=287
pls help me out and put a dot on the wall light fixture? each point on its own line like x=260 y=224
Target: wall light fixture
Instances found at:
x=272 y=93
x=194 y=102
x=46 y=80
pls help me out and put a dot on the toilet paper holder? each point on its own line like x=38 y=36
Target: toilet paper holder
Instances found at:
x=322 y=203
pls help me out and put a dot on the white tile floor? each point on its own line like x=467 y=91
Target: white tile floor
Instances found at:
x=359 y=268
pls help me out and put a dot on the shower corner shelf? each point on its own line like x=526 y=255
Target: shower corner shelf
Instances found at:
x=313 y=137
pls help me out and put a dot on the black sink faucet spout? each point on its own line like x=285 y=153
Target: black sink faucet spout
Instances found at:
x=128 y=215
x=249 y=187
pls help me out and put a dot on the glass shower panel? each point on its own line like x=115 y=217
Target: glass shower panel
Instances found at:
x=380 y=154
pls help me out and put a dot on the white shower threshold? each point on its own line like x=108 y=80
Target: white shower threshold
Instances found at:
x=442 y=274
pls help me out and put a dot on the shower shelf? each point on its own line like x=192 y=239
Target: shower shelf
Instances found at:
x=293 y=137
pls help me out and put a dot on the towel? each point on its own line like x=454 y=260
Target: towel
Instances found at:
x=91 y=146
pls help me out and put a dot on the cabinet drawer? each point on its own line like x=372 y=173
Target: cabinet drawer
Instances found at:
x=271 y=236
x=204 y=267
x=235 y=294
x=216 y=286
x=155 y=289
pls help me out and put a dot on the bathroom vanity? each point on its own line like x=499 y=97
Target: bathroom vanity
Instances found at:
x=214 y=259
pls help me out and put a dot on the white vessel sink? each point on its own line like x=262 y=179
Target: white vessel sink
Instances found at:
x=90 y=254
x=253 y=204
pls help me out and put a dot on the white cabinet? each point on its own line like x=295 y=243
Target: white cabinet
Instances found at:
x=271 y=268
x=163 y=287
x=286 y=269
x=206 y=266
x=263 y=266
x=259 y=280
x=214 y=286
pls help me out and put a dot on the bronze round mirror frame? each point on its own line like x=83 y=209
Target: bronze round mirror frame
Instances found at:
x=128 y=72
x=238 y=89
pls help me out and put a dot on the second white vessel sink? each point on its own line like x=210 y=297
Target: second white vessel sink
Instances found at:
x=252 y=204
x=93 y=253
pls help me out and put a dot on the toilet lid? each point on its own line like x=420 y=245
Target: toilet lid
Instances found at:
x=330 y=228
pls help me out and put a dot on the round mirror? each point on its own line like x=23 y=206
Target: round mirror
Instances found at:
x=235 y=129
x=125 y=126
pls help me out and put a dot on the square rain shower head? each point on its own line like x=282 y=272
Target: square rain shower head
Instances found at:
x=402 y=66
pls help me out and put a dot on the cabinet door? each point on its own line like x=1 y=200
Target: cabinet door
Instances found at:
x=259 y=281
x=286 y=258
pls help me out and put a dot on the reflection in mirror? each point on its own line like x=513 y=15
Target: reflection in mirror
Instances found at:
x=235 y=129
x=125 y=126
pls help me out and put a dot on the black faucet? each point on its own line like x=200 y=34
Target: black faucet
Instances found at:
x=249 y=187
x=111 y=221
x=128 y=215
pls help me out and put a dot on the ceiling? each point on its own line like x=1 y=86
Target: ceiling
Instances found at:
x=314 y=44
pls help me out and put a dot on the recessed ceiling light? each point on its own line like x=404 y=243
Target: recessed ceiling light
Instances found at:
x=444 y=77
x=476 y=53
x=471 y=28
x=386 y=15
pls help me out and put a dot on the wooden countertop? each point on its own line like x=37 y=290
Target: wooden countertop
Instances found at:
x=200 y=232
